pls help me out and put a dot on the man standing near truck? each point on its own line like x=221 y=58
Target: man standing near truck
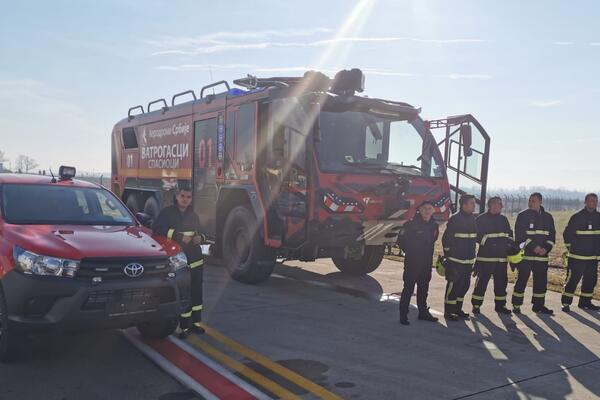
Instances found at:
x=494 y=236
x=582 y=238
x=535 y=234
x=417 y=240
x=181 y=224
x=459 y=241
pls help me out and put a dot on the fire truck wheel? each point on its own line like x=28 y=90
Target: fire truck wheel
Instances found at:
x=133 y=203
x=246 y=257
x=367 y=263
x=9 y=343
x=158 y=329
x=152 y=208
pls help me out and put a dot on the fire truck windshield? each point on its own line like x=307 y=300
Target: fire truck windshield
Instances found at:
x=358 y=141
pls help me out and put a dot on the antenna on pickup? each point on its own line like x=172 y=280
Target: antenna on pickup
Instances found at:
x=53 y=178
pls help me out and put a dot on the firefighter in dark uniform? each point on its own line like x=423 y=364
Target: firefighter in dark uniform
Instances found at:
x=417 y=240
x=180 y=223
x=582 y=238
x=459 y=241
x=493 y=236
x=535 y=234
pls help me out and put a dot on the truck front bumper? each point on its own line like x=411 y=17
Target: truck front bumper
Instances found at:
x=42 y=304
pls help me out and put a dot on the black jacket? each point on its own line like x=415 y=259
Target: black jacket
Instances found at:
x=175 y=224
x=534 y=229
x=459 y=239
x=582 y=235
x=417 y=240
x=493 y=235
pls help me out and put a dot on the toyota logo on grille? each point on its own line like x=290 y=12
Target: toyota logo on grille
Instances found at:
x=133 y=270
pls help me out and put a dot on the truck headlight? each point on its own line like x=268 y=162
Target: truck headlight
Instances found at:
x=31 y=263
x=178 y=261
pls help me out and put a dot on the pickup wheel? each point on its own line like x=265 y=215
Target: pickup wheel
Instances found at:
x=246 y=257
x=9 y=343
x=158 y=329
x=366 y=264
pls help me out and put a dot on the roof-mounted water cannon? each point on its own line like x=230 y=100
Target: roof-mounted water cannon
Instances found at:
x=347 y=82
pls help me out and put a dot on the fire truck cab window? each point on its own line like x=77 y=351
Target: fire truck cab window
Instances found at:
x=129 y=139
x=244 y=128
x=355 y=141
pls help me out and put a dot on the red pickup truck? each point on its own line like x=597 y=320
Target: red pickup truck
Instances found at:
x=73 y=257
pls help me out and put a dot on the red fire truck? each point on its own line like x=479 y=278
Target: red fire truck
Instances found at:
x=296 y=168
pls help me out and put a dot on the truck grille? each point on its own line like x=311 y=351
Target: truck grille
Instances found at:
x=113 y=268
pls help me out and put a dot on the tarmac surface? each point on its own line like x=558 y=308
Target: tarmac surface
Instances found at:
x=340 y=333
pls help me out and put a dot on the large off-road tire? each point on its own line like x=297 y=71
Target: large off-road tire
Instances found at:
x=246 y=257
x=133 y=203
x=9 y=341
x=366 y=264
x=152 y=208
x=158 y=329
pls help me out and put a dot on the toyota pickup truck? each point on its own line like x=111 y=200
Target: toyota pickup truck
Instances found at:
x=74 y=258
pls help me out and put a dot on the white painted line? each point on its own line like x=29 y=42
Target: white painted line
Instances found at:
x=218 y=368
x=495 y=352
x=171 y=369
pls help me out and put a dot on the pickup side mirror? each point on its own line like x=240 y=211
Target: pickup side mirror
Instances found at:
x=467 y=139
x=144 y=219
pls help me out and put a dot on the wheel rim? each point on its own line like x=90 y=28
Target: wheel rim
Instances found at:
x=241 y=245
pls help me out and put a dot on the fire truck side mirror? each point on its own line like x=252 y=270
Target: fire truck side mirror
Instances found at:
x=467 y=139
x=144 y=219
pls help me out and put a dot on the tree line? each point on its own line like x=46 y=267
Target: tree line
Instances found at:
x=22 y=164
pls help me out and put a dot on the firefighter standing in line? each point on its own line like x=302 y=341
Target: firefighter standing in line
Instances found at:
x=459 y=241
x=417 y=240
x=582 y=238
x=180 y=223
x=494 y=236
x=535 y=234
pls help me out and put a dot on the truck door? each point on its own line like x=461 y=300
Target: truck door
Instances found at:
x=466 y=151
x=205 y=173
x=291 y=203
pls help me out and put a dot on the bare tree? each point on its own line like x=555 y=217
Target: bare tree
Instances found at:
x=25 y=163
x=2 y=160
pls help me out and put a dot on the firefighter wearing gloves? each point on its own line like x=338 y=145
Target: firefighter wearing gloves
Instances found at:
x=535 y=234
x=417 y=240
x=459 y=241
x=493 y=236
x=180 y=223
x=582 y=238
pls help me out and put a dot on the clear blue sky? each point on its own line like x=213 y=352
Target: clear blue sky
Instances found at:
x=528 y=70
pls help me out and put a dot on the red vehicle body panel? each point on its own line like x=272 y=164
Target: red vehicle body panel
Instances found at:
x=77 y=241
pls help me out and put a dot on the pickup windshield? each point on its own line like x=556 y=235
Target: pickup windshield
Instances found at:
x=56 y=204
x=355 y=141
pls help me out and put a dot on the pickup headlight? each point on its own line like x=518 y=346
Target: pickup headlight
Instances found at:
x=35 y=264
x=178 y=261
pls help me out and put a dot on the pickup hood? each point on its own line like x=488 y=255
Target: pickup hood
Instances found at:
x=83 y=241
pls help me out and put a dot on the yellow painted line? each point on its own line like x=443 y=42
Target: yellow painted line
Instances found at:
x=273 y=366
x=249 y=373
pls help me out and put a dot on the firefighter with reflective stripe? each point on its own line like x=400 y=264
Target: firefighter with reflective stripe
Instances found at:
x=180 y=223
x=535 y=234
x=493 y=236
x=459 y=241
x=417 y=240
x=582 y=238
